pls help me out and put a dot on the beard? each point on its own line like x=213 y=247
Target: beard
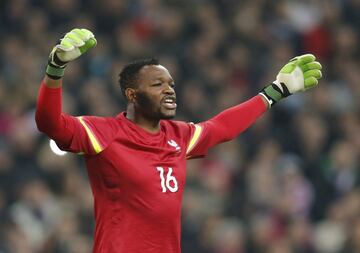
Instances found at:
x=151 y=109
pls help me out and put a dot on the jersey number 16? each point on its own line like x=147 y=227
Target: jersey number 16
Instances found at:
x=170 y=182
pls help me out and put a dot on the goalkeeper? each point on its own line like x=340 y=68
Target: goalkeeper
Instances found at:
x=136 y=161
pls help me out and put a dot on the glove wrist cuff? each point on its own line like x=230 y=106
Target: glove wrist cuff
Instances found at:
x=273 y=94
x=55 y=72
x=268 y=99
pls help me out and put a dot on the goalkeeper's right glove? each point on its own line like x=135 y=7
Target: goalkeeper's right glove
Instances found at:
x=75 y=43
x=299 y=74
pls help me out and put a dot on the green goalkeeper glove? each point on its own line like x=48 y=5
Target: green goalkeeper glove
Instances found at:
x=299 y=74
x=75 y=43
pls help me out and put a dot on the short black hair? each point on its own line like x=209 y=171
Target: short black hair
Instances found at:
x=129 y=74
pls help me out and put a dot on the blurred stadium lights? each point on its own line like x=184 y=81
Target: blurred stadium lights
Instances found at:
x=54 y=148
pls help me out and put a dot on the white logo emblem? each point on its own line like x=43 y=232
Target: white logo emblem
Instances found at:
x=174 y=144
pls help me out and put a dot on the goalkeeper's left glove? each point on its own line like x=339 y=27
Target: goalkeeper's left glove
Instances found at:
x=299 y=74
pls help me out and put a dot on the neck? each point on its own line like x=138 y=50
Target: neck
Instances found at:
x=148 y=124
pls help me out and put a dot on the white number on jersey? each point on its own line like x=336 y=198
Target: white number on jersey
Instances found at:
x=170 y=183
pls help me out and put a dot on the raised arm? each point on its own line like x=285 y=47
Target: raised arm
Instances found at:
x=49 y=117
x=299 y=74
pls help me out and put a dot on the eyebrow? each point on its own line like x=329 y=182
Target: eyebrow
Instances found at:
x=162 y=79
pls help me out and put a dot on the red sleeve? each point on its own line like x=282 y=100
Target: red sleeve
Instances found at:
x=86 y=134
x=224 y=126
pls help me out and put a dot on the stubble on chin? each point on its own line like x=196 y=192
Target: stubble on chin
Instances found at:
x=150 y=109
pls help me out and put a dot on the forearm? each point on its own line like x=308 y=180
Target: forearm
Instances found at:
x=233 y=121
x=49 y=118
x=48 y=108
x=52 y=83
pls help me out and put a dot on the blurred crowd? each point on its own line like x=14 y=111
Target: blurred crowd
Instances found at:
x=289 y=184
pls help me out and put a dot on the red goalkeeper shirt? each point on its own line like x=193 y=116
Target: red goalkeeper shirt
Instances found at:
x=137 y=178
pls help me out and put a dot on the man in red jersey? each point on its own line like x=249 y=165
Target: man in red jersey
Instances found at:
x=136 y=161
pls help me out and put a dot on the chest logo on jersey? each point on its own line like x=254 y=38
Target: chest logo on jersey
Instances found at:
x=175 y=145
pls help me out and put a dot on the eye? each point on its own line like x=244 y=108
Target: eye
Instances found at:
x=172 y=85
x=156 y=84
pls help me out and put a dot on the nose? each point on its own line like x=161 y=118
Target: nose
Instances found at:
x=169 y=90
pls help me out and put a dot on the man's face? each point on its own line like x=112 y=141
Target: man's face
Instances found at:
x=155 y=94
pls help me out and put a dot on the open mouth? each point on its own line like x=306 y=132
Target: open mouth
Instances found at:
x=169 y=103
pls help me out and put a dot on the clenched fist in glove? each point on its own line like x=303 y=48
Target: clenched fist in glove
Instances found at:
x=75 y=43
x=299 y=74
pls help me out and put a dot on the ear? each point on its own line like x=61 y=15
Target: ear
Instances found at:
x=130 y=94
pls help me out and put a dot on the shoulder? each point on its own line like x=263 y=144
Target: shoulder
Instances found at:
x=181 y=129
x=99 y=122
x=100 y=131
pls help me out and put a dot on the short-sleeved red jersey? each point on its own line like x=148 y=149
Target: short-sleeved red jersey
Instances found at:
x=137 y=178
